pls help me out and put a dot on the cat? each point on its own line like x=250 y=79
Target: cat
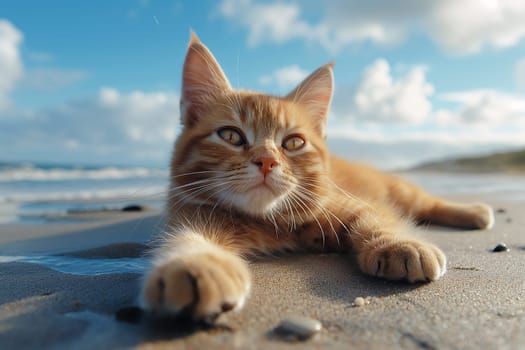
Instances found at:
x=251 y=174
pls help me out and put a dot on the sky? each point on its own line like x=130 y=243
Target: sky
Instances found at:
x=98 y=82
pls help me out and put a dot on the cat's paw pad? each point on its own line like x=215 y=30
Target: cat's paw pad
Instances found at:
x=404 y=260
x=201 y=286
x=483 y=216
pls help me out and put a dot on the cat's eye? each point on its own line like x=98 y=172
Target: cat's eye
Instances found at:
x=293 y=143
x=232 y=136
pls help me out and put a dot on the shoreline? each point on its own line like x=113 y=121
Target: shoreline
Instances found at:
x=75 y=211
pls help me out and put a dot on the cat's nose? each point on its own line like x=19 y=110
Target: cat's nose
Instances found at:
x=266 y=164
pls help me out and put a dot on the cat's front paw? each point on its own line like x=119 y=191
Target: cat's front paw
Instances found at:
x=202 y=286
x=404 y=260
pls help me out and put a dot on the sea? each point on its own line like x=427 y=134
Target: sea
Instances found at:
x=34 y=193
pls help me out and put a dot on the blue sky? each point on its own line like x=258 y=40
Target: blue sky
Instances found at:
x=98 y=82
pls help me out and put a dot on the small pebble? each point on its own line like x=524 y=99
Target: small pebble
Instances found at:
x=133 y=207
x=502 y=247
x=132 y=314
x=501 y=210
x=360 y=301
x=298 y=328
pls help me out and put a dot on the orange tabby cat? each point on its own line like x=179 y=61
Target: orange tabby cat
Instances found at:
x=251 y=174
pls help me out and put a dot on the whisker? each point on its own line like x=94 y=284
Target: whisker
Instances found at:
x=193 y=192
x=293 y=195
x=325 y=212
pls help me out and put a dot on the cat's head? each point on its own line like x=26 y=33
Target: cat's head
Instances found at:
x=249 y=151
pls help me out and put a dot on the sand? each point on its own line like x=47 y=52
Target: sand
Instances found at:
x=480 y=302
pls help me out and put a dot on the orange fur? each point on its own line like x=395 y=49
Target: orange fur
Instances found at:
x=238 y=189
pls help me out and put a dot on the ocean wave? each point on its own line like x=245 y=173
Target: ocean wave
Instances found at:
x=121 y=194
x=35 y=173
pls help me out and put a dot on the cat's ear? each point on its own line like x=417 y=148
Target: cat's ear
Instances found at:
x=202 y=80
x=315 y=94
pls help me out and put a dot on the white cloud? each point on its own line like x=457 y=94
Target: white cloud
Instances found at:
x=50 y=79
x=275 y=22
x=285 y=78
x=11 y=67
x=383 y=99
x=109 y=127
x=280 y=22
x=145 y=118
x=462 y=27
x=485 y=107
x=469 y=25
x=520 y=73
x=391 y=121
x=379 y=97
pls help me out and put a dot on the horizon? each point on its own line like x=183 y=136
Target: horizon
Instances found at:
x=99 y=84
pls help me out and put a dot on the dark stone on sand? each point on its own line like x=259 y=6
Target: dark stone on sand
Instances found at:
x=297 y=328
x=501 y=210
x=133 y=207
x=502 y=247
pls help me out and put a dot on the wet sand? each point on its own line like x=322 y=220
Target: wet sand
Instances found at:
x=479 y=303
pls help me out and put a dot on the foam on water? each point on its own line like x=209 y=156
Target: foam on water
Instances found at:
x=33 y=193
x=31 y=172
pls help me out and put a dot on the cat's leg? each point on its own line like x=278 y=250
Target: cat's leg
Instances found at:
x=386 y=248
x=193 y=276
x=469 y=216
x=424 y=207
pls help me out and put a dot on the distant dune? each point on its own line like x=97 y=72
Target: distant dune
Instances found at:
x=508 y=162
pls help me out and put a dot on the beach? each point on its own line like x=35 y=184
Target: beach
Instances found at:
x=63 y=281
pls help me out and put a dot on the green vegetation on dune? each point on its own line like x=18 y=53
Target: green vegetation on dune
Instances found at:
x=510 y=162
